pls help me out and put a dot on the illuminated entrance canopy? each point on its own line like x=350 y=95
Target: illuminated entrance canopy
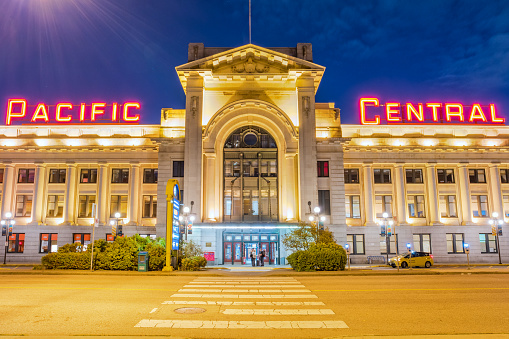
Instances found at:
x=65 y=112
x=372 y=113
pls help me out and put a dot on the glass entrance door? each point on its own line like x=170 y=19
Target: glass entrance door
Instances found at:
x=248 y=248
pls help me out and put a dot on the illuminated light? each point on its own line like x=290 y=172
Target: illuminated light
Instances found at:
x=82 y=111
x=59 y=111
x=390 y=111
x=134 y=142
x=9 y=143
x=399 y=143
x=362 y=104
x=449 y=113
x=494 y=118
x=97 y=108
x=477 y=113
x=418 y=113
x=10 y=106
x=311 y=218
x=42 y=142
x=324 y=134
x=289 y=213
x=316 y=209
x=428 y=142
x=492 y=143
x=434 y=109
x=367 y=142
x=127 y=106
x=41 y=112
x=114 y=111
x=461 y=143
x=73 y=142
x=104 y=142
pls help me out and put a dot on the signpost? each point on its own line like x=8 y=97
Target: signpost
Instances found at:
x=172 y=222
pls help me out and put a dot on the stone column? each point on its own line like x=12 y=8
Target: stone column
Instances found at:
x=70 y=194
x=38 y=198
x=8 y=189
x=496 y=190
x=134 y=194
x=399 y=181
x=464 y=194
x=432 y=194
x=102 y=193
x=367 y=170
x=289 y=191
x=210 y=204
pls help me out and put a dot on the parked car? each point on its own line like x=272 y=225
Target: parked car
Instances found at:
x=421 y=259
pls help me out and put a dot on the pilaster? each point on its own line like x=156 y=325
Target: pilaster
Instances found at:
x=102 y=193
x=38 y=198
x=432 y=193
x=134 y=194
x=496 y=189
x=70 y=194
x=399 y=181
x=464 y=192
x=7 y=188
x=367 y=171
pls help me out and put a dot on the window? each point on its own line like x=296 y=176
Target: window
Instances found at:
x=57 y=176
x=416 y=206
x=413 y=176
x=26 y=175
x=16 y=243
x=323 y=168
x=118 y=204
x=85 y=206
x=324 y=201
x=445 y=176
x=479 y=205
x=1 y=175
x=55 y=206
x=504 y=176
x=82 y=238
x=383 y=204
x=178 y=169
x=382 y=176
x=149 y=206
x=150 y=175
x=353 y=206
x=455 y=243
x=422 y=242
x=120 y=176
x=448 y=206
x=23 y=205
x=488 y=243
x=356 y=243
x=48 y=243
x=392 y=244
x=110 y=237
x=505 y=200
x=88 y=176
x=477 y=176
x=351 y=175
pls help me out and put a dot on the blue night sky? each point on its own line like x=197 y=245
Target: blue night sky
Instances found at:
x=115 y=51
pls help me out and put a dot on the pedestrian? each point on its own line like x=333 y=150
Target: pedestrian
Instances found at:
x=252 y=255
x=262 y=257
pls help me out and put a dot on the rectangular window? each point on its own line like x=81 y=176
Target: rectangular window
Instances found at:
x=445 y=176
x=353 y=206
x=323 y=169
x=455 y=243
x=120 y=176
x=392 y=244
x=26 y=175
x=382 y=175
x=448 y=206
x=83 y=239
x=477 y=176
x=422 y=242
x=118 y=204
x=88 y=176
x=488 y=243
x=1 y=175
x=413 y=176
x=324 y=201
x=504 y=176
x=351 y=175
x=178 y=169
x=48 y=243
x=356 y=243
x=150 y=175
x=57 y=176
x=149 y=206
x=383 y=204
x=23 y=205
x=416 y=206
x=85 y=206
x=16 y=243
x=479 y=204
x=55 y=206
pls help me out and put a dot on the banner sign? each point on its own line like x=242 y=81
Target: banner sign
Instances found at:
x=175 y=238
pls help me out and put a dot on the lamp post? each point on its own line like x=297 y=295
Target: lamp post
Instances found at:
x=316 y=217
x=115 y=225
x=186 y=217
x=388 y=228
x=495 y=223
x=8 y=222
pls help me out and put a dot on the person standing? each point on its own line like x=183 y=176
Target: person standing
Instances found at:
x=252 y=255
x=262 y=257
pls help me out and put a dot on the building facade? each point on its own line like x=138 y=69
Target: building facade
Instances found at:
x=254 y=155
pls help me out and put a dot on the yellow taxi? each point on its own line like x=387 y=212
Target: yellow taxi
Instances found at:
x=418 y=259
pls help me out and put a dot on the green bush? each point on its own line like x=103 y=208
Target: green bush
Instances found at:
x=70 y=261
x=157 y=256
x=193 y=263
x=70 y=248
x=302 y=261
x=122 y=255
x=321 y=257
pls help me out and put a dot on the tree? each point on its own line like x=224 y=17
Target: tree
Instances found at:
x=305 y=235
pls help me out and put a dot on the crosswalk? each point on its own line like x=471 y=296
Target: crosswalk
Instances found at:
x=243 y=303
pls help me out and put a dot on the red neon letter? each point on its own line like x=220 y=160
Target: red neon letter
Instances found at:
x=59 y=108
x=82 y=111
x=477 y=113
x=114 y=110
x=41 y=112
x=128 y=105
x=494 y=115
x=434 y=109
x=410 y=109
x=390 y=111
x=449 y=113
x=96 y=109
x=362 y=104
x=11 y=114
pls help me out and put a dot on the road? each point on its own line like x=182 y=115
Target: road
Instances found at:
x=254 y=305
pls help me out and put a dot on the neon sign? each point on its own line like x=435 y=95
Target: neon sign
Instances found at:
x=431 y=112
x=65 y=112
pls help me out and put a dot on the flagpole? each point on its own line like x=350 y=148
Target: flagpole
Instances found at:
x=250 y=21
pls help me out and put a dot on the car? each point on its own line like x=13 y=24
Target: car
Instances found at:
x=418 y=259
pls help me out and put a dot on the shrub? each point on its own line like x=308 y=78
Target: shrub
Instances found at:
x=302 y=261
x=157 y=256
x=122 y=254
x=321 y=256
x=70 y=248
x=193 y=263
x=70 y=261
x=190 y=249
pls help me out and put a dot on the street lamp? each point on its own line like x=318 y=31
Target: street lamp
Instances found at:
x=188 y=218
x=496 y=229
x=116 y=228
x=7 y=224
x=316 y=217
x=388 y=229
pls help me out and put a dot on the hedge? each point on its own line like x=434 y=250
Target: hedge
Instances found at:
x=320 y=257
x=193 y=263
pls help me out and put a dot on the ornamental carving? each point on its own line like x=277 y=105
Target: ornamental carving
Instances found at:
x=250 y=67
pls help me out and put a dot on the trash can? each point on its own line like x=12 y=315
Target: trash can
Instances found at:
x=142 y=261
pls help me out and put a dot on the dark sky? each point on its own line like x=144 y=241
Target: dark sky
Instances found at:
x=115 y=51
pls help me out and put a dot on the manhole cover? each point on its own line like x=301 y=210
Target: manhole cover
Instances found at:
x=189 y=310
